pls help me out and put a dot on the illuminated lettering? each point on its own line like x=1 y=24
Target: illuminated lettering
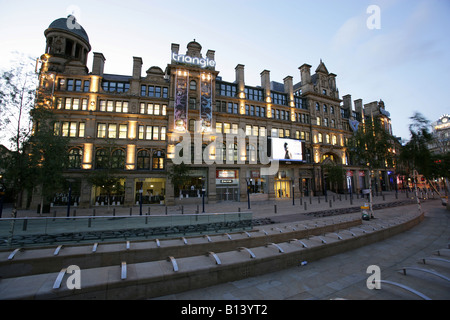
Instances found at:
x=202 y=62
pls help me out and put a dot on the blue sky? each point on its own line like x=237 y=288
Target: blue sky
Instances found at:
x=406 y=62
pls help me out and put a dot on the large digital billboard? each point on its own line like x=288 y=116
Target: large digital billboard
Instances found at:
x=286 y=149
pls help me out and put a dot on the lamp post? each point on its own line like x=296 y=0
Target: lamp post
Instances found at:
x=70 y=196
x=203 y=195
x=140 y=195
x=293 y=193
x=249 y=181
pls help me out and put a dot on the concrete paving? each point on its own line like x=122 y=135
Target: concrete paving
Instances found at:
x=344 y=276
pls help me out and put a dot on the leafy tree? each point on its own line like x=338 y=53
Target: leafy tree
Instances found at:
x=415 y=154
x=371 y=147
x=47 y=155
x=17 y=98
x=335 y=174
x=178 y=175
x=107 y=175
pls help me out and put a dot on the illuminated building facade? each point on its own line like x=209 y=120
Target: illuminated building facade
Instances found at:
x=136 y=123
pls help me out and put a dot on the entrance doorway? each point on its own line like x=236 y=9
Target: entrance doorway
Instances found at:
x=283 y=188
x=227 y=193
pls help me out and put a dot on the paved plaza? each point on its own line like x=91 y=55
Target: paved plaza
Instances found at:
x=338 y=276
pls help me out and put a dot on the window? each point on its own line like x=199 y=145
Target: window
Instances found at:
x=320 y=138
x=193 y=85
x=112 y=131
x=218 y=127
x=123 y=131
x=81 y=129
x=158 y=160
x=113 y=86
x=70 y=84
x=143 y=160
x=78 y=85
x=318 y=121
x=325 y=122
x=118 y=159
x=155 y=133
x=325 y=108
x=143 y=91
x=279 y=98
x=228 y=90
x=75 y=158
x=163 y=133
x=101 y=130
x=113 y=106
x=101 y=159
x=254 y=94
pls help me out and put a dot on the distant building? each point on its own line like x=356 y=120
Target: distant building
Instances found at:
x=136 y=122
x=441 y=135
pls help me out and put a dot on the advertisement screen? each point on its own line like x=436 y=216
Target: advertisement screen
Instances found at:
x=286 y=149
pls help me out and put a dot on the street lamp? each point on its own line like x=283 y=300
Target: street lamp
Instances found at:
x=249 y=181
x=70 y=196
x=293 y=193
x=203 y=194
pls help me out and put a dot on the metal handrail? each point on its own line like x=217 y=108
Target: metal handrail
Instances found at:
x=11 y=256
x=406 y=288
x=218 y=262
x=275 y=245
x=426 y=271
x=123 y=272
x=252 y=255
x=174 y=263
x=59 y=278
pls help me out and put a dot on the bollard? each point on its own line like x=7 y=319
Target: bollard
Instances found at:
x=25 y=224
x=351 y=200
x=93 y=212
x=114 y=212
x=148 y=211
x=318 y=199
x=275 y=208
x=74 y=213
x=305 y=206
x=384 y=198
x=89 y=222
x=239 y=209
x=131 y=211
x=182 y=209
x=331 y=204
x=166 y=210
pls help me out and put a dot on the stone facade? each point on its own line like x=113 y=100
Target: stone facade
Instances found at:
x=134 y=122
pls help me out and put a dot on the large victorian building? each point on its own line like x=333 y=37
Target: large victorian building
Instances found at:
x=136 y=124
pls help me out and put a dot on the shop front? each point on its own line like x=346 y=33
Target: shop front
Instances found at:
x=227 y=185
x=283 y=184
x=153 y=190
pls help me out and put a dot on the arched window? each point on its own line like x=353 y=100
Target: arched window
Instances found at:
x=75 y=158
x=101 y=159
x=143 y=160
x=118 y=159
x=193 y=85
x=158 y=160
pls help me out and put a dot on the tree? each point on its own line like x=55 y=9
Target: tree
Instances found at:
x=107 y=175
x=335 y=175
x=17 y=98
x=178 y=175
x=47 y=155
x=372 y=147
x=415 y=154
